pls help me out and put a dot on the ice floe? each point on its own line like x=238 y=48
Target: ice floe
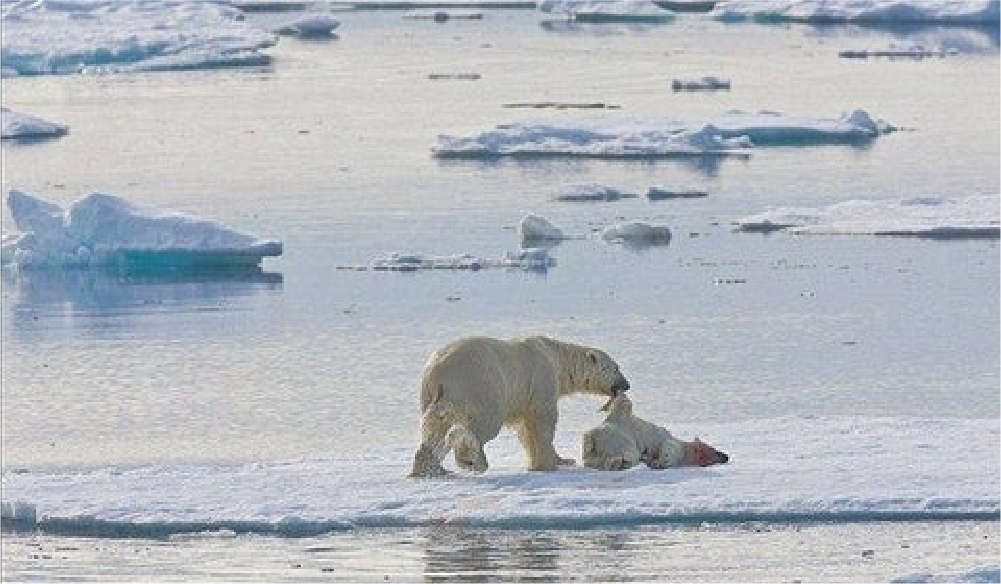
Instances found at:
x=106 y=230
x=16 y=125
x=310 y=26
x=727 y=134
x=533 y=229
x=931 y=217
x=781 y=469
x=526 y=258
x=663 y=194
x=591 y=193
x=71 y=36
x=607 y=10
x=637 y=233
x=707 y=83
x=860 y=11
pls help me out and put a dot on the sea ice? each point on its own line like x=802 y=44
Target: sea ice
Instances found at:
x=637 y=233
x=874 y=11
x=701 y=84
x=527 y=258
x=781 y=469
x=591 y=193
x=105 y=230
x=985 y=574
x=69 y=36
x=310 y=26
x=534 y=229
x=17 y=125
x=607 y=10
x=932 y=217
x=727 y=134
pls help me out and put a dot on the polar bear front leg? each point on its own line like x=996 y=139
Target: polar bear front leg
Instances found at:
x=536 y=436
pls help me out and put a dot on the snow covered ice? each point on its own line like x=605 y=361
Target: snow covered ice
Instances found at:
x=70 y=36
x=106 y=230
x=932 y=217
x=637 y=233
x=16 y=125
x=727 y=134
x=789 y=469
x=607 y=10
x=859 y=11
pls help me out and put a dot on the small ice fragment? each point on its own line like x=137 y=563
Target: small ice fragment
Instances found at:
x=310 y=26
x=637 y=232
x=534 y=228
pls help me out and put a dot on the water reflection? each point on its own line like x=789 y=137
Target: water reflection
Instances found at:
x=708 y=165
x=30 y=294
x=455 y=554
x=965 y=39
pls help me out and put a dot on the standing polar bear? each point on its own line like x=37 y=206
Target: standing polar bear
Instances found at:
x=474 y=386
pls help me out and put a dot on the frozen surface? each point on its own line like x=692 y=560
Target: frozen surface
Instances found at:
x=310 y=26
x=534 y=229
x=100 y=229
x=933 y=217
x=784 y=469
x=729 y=133
x=69 y=36
x=637 y=232
x=16 y=125
x=607 y=10
x=876 y=11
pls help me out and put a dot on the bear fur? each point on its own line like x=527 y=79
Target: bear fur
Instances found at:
x=474 y=386
x=624 y=440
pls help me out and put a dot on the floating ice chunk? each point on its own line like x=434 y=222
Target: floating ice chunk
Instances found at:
x=701 y=84
x=310 y=26
x=69 y=36
x=529 y=258
x=915 y=52
x=535 y=229
x=725 y=135
x=931 y=217
x=592 y=193
x=986 y=574
x=532 y=258
x=607 y=10
x=661 y=194
x=17 y=125
x=442 y=15
x=637 y=232
x=105 y=230
x=927 y=11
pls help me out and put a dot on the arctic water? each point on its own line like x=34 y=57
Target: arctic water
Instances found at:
x=181 y=425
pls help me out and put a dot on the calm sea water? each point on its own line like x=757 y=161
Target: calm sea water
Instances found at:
x=328 y=149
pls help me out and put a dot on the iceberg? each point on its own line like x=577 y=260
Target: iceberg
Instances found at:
x=101 y=230
x=726 y=135
x=637 y=233
x=930 y=217
x=15 y=125
x=535 y=229
x=43 y=37
x=607 y=10
x=310 y=26
x=962 y=12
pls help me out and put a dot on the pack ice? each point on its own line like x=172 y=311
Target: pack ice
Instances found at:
x=105 y=230
x=875 y=11
x=17 y=125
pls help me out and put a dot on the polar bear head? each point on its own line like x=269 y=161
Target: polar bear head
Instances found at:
x=602 y=375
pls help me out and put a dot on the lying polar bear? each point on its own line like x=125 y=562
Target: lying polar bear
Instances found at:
x=623 y=440
x=474 y=386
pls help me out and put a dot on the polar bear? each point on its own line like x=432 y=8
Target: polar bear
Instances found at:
x=474 y=386
x=624 y=440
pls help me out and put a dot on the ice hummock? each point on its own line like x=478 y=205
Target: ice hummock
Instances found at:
x=607 y=10
x=931 y=217
x=860 y=11
x=70 y=36
x=106 y=230
x=727 y=134
x=17 y=125
x=784 y=469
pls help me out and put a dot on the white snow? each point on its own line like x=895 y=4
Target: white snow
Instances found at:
x=637 y=232
x=937 y=217
x=926 y=11
x=100 y=229
x=782 y=469
x=607 y=10
x=726 y=134
x=16 y=125
x=706 y=83
x=70 y=36
x=316 y=25
x=533 y=229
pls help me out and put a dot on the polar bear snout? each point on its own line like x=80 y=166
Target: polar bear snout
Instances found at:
x=620 y=385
